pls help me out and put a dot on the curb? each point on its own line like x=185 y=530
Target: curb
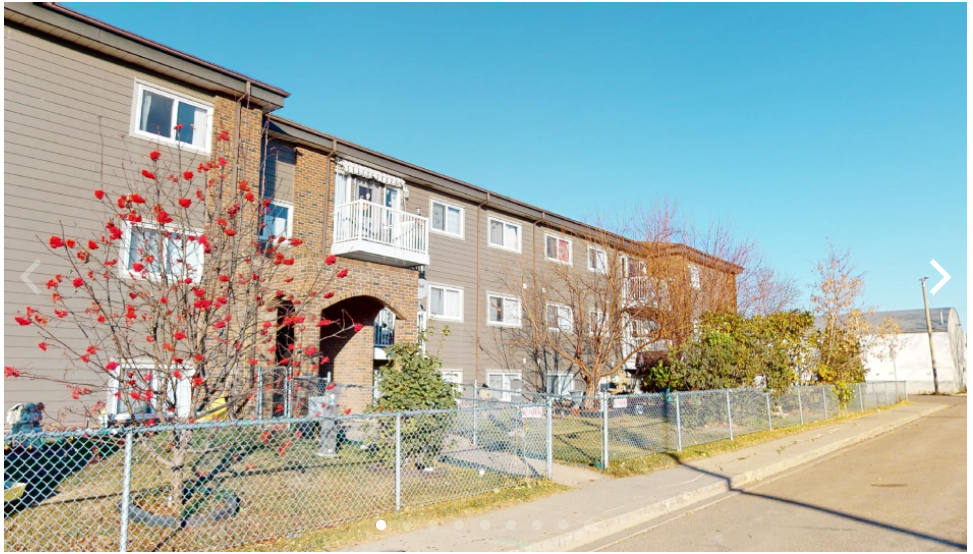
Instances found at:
x=602 y=529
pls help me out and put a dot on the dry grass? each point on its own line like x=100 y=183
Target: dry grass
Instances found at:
x=358 y=532
x=666 y=460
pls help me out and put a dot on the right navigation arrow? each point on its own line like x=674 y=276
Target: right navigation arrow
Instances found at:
x=946 y=276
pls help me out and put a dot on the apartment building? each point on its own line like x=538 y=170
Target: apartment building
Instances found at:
x=424 y=250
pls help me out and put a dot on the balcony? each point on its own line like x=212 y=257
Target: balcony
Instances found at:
x=642 y=292
x=374 y=233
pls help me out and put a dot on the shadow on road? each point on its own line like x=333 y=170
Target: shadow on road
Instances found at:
x=845 y=515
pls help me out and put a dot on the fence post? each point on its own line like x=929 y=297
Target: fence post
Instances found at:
x=729 y=413
x=824 y=396
x=550 y=438
x=800 y=404
x=398 y=462
x=475 y=419
x=126 y=493
x=678 y=424
x=604 y=429
x=770 y=417
x=905 y=389
x=887 y=403
x=861 y=398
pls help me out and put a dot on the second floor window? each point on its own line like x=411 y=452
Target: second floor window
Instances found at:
x=504 y=234
x=154 y=251
x=560 y=317
x=446 y=218
x=277 y=221
x=503 y=311
x=446 y=303
x=171 y=118
x=597 y=260
x=557 y=249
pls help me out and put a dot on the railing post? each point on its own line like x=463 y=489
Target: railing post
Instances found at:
x=678 y=424
x=604 y=429
x=550 y=438
x=861 y=398
x=824 y=397
x=398 y=462
x=770 y=417
x=729 y=413
x=800 y=404
x=126 y=493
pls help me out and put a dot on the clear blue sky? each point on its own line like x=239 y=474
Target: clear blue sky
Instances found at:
x=797 y=123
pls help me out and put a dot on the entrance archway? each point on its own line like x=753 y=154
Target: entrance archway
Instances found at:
x=349 y=357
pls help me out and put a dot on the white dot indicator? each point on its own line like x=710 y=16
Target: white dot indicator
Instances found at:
x=380 y=524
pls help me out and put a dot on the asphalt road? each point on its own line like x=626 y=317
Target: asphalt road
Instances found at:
x=902 y=491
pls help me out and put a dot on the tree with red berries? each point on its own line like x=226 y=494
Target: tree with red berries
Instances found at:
x=173 y=308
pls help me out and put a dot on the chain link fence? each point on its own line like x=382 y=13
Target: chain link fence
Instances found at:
x=221 y=485
x=246 y=481
x=594 y=431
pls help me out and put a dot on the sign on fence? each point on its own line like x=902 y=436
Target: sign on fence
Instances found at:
x=534 y=412
x=620 y=403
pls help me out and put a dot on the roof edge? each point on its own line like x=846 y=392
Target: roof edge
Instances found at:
x=146 y=50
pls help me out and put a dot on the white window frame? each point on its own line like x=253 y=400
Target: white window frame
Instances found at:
x=125 y=272
x=505 y=297
x=183 y=387
x=204 y=147
x=450 y=374
x=433 y=317
x=288 y=232
x=603 y=270
x=555 y=259
x=570 y=317
x=520 y=235
x=505 y=395
x=446 y=206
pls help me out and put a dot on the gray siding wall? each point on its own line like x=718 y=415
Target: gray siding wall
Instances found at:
x=67 y=115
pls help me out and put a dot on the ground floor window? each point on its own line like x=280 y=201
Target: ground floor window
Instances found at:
x=504 y=384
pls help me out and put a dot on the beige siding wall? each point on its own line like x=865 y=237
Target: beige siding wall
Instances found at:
x=67 y=114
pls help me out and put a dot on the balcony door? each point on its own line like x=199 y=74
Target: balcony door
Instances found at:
x=373 y=215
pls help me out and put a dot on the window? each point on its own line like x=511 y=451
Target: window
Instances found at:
x=506 y=382
x=694 y=276
x=503 y=311
x=277 y=221
x=446 y=218
x=158 y=113
x=633 y=268
x=445 y=303
x=560 y=383
x=178 y=255
x=455 y=377
x=560 y=317
x=597 y=323
x=597 y=260
x=504 y=234
x=557 y=249
x=178 y=394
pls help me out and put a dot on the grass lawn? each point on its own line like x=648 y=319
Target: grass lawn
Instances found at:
x=358 y=532
x=282 y=492
x=665 y=460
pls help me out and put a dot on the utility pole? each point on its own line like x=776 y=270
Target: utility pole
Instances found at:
x=932 y=350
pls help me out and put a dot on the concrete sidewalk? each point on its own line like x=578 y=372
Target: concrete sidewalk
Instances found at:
x=572 y=519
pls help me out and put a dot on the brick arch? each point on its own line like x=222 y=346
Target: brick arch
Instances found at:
x=350 y=355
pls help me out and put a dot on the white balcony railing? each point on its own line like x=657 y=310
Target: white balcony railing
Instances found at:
x=372 y=232
x=643 y=291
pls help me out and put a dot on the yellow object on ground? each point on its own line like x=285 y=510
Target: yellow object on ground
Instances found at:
x=216 y=414
x=14 y=492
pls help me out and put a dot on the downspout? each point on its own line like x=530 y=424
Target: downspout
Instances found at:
x=329 y=192
x=476 y=357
